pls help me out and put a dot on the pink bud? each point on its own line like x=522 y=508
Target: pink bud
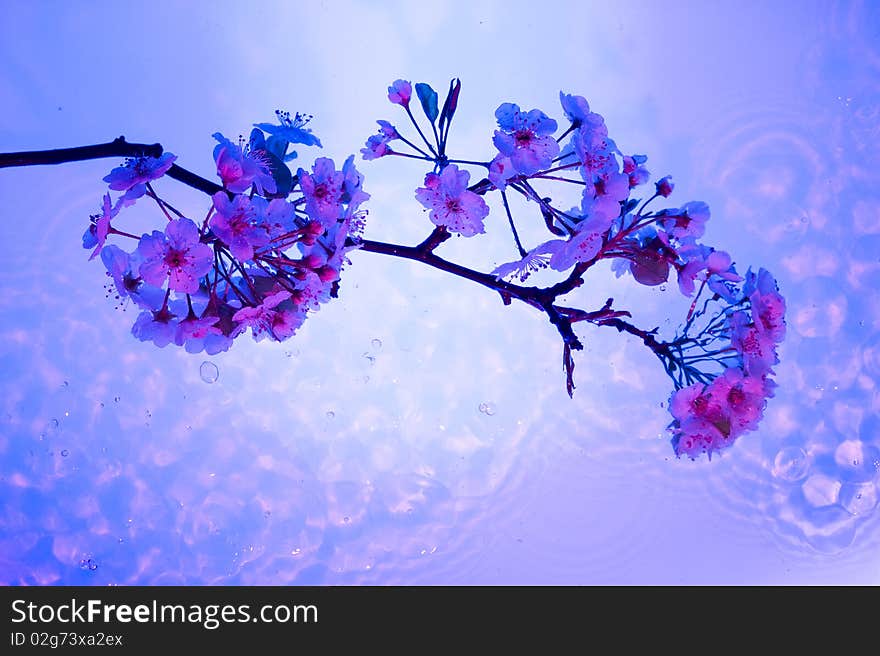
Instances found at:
x=665 y=186
x=400 y=92
x=312 y=261
x=327 y=274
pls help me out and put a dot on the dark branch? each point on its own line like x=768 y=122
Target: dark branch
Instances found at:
x=119 y=147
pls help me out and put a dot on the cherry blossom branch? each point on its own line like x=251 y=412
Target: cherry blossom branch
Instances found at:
x=538 y=297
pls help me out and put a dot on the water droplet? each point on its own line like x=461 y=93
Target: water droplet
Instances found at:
x=102 y=404
x=88 y=564
x=65 y=384
x=54 y=422
x=65 y=453
x=330 y=414
x=120 y=540
x=376 y=344
x=487 y=408
x=209 y=372
x=115 y=399
x=791 y=464
x=346 y=519
x=662 y=288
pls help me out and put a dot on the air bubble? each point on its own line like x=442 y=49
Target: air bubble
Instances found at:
x=791 y=464
x=209 y=372
x=859 y=499
x=487 y=408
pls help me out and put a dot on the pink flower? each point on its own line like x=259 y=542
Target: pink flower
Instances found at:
x=377 y=145
x=741 y=398
x=239 y=168
x=123 y=269
x=717 y=266
x=603 y=194
x=234 y=223
x=400 y=92
x=134 y=175
x=353 y=193
x=323 y=191
x=710 y=417
x=176 y=255
x=576 y=108
x=535 y=260
x=157 y=326
x=524 y=137
x=633 y=167
x=195 y=334
x=286 y=320
x=755 y=347
x=696 y=435
x=500 y=171
x=259 y=318
x=768 y=307
x=583 y=246
x=689 y=221
x=664 y=186
x=102 y=226
x=696 y=401
x=595 y=151
x=275 y=217
x=451 y=203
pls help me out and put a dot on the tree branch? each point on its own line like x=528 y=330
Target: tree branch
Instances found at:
x=119 y=147
x=538 y=297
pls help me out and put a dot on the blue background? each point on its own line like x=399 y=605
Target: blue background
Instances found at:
x=357 y=452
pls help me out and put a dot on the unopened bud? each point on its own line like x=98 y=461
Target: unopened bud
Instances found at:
x=665 y=186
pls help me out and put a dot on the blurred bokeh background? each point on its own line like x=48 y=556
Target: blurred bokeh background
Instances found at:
x=417 y=431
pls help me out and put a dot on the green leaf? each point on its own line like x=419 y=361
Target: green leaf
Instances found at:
x=428 y=98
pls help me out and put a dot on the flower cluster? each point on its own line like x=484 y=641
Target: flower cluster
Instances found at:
x=742 y=338
x=273 y=243
x=720 y=364
x=269 y=250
